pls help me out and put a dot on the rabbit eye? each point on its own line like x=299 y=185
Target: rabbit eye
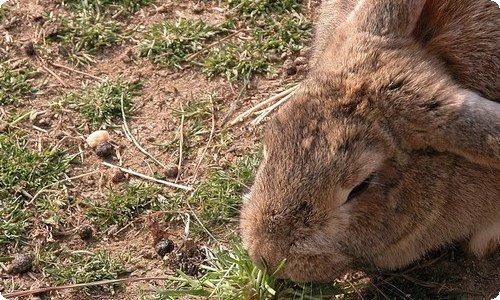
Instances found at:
x=360 y=188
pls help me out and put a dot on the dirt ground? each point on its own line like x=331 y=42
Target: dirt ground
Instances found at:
x=152 y=122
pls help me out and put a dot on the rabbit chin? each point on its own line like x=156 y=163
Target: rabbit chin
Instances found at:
x=317 y=268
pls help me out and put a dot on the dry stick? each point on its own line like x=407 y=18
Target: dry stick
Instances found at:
x=208 y=142
x=268 y=110
x=55 y=75
x=57 y=182
x=181 y=144
x=248 y=112
x=76 y=71
x=235 y=104
x=80 y=285
x=194 y=55
x=167 y=183
x=129 y=134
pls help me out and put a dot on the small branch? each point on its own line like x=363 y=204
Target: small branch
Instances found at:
x=248 y=112
x=265 y=112
x=181 y=144
x=81 y=285
x=136 y=143
x=131 y=172
x=76 y=71
x=55 y=75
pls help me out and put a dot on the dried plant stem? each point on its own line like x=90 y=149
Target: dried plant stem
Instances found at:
x=132 y=138
x=212 y=130
x=81 y=285
x=76 y=71
x=181 y=145
x=196 y=54
x=265 y=112
x=276 y=97
x=131 y=172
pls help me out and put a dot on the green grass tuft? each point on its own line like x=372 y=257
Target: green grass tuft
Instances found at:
x=15 y=84
x=24 y=171
x=85 y=33
x=108 y=6
x=230 y=274
x=171 y=43
x=219 y=197
x=102 y=105
x=122 y=206
x=70 y=268
x=268 y=29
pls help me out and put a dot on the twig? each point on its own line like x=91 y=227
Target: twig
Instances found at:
x=129 y=134
x=234 y=105
x=131 y=172
x=194 y=55
x=81 y=285
x=76 y=71
x=265 y=112
x=248 y=112
x=181 y=144
x=57 y=182
x=208 y=142
x=55 y=75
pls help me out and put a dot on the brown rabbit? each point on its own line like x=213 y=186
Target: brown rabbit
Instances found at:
x=388 y=149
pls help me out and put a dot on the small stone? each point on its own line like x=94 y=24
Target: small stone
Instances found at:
x=116 y=175
x=29 y=48
x=112 y=230
x=22 y=263
x=44 y=122
x=289 y=67
x=305 y=51
x=172 y=172
x=4 y=127
x=98 y=137
x=85 y=232
x=198 y=9
x=301 y=60
x=162 y=248
x=104 y=150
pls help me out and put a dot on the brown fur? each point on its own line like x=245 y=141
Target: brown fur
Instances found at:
x=394 y=99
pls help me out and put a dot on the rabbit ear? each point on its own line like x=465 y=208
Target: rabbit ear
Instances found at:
x=387 y=17
x=471 y=131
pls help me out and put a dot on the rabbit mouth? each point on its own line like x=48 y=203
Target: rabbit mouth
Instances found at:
x=316 y=268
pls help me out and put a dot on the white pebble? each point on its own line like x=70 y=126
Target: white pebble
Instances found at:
x=97 y=137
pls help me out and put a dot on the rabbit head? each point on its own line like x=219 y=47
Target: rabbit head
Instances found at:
x=369 y=164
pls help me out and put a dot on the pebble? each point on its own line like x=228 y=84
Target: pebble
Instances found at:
x=289 y=67
x=104 y=150
x=172 y=172
x=301 y=60
x=29 y=48
x=98 y=137
x=22 y=263
x=116 y=175
x=85 y=232
x=162 y=248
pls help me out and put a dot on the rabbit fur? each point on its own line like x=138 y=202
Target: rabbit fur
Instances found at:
x=390 y=147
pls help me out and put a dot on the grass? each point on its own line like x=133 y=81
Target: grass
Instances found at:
x=3 y=12
x=219 y=196
x=84 y=34
x=102 y=104
x=171 y=43
x=266 y=29
x=123 y=206
x=230 y=274
x=24 y=171
x=15 y=84
x=108 y=7
x=77 y=267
